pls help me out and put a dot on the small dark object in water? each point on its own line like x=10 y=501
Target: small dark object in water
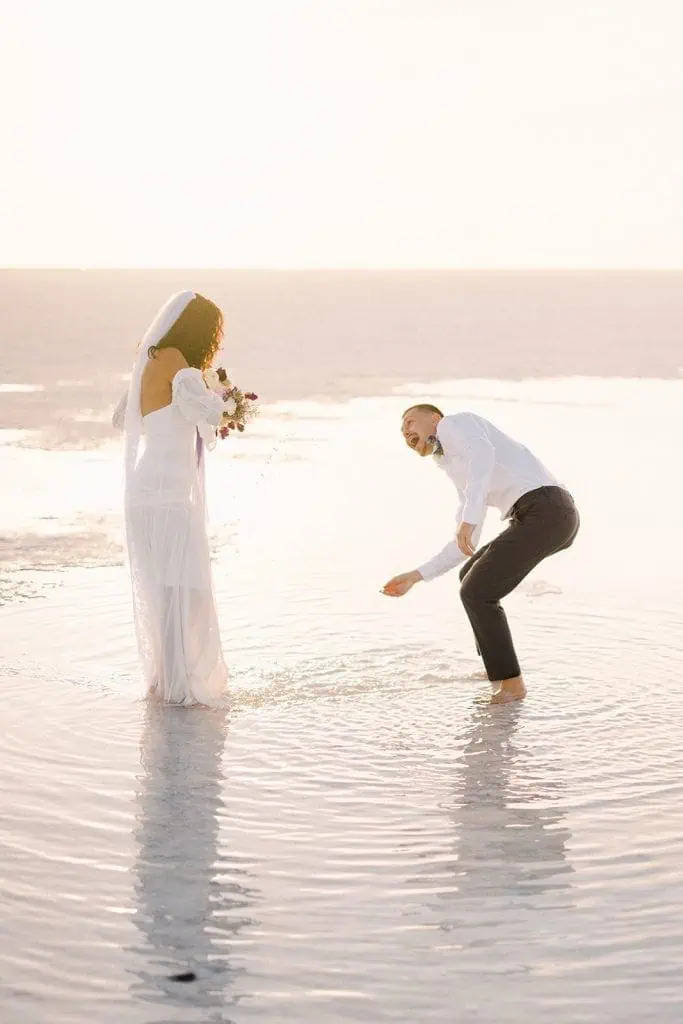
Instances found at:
x=185 y=976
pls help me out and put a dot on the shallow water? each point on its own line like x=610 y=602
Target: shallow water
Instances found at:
x=359 y=838
x=379 y=855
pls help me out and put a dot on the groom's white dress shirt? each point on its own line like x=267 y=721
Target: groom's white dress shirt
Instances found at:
x=489 y=470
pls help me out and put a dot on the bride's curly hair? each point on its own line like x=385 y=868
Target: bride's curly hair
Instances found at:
x=197 y=333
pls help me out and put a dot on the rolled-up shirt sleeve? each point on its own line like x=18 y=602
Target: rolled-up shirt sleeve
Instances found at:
x=443 y=562
x=465 y=433
x=448 y=558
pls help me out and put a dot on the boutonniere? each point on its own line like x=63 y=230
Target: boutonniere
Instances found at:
x=437 y=447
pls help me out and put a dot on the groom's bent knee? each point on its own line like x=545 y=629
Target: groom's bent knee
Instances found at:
x=463 y=571
x=473 y=590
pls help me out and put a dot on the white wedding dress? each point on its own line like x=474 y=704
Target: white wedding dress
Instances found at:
x=168 y=550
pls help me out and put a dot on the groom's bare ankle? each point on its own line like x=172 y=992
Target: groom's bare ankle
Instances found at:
x=509 y=690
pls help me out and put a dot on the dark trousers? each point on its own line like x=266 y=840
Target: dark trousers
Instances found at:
x=542 y=522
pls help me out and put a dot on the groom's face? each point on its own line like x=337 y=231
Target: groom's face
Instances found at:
x=417 y=427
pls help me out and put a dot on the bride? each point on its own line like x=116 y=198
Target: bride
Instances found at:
x=169 y=404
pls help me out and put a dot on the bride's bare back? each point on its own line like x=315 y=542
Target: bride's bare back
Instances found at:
x=157 y=379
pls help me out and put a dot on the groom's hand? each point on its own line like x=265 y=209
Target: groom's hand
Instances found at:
x=400 y=585
x=464 y=538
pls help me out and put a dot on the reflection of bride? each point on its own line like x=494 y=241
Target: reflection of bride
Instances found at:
x=188 y=920
x=509 y=840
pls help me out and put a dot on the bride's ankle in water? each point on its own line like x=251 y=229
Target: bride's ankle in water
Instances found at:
x=509 y=690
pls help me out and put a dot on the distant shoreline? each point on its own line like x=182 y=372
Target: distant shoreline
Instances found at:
x=344 y=270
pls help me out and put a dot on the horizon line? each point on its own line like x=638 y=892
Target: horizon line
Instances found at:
x=348 y=269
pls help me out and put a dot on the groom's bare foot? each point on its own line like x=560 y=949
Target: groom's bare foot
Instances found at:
x=510 y=689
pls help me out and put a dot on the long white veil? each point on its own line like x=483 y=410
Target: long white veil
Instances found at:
x=132 y=423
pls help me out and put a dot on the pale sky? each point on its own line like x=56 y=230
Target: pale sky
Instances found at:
x=342 y=133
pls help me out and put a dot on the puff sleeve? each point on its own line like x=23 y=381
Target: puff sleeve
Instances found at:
x=199 y=406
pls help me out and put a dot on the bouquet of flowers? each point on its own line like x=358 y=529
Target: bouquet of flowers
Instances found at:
x=239 y=405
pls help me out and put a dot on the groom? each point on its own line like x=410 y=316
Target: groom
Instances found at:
x=489 y=469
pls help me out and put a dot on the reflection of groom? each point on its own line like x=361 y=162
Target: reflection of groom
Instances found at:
x=490 y=470
x=509 y=839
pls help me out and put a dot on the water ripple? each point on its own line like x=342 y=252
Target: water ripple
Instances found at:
x=355 y=853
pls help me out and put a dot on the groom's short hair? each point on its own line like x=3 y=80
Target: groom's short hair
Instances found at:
x=422 y=407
